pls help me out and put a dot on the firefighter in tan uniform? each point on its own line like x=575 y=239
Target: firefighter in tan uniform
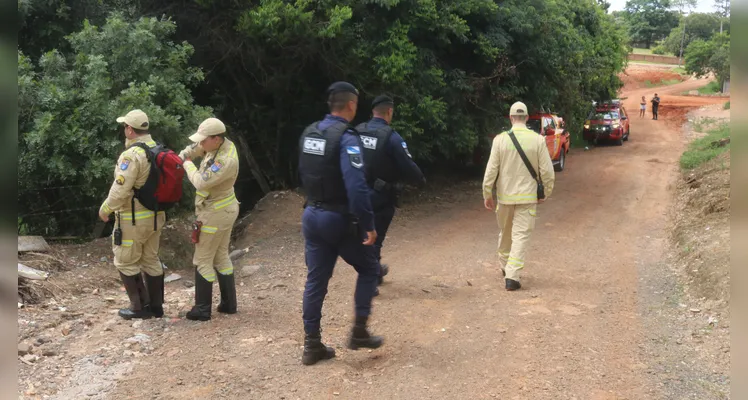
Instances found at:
x=216 y=208
x=516 y=190
x=136 y=250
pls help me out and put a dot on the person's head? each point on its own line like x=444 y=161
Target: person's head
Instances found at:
x=342 y=98
x=383 y=107
x=135 y=123
x=655 y=94
x=518 y=113
x=642 y=97
x=209 y=134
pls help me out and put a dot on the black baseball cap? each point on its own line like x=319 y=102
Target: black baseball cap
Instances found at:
x=382 y=99
x=341 y=86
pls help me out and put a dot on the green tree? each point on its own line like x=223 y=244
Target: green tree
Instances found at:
x=649 y=20
x=454 y=67
x=713 y=56
x=723 y=12
x=68 y=137
x=44 y=24
x=697 y=26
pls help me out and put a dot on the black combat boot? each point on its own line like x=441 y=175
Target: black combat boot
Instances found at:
x=360 y=336
x=315 y=350
x=512 y=285
x=155 y=286
x=138 y=298
x=227 y=285
x=203 y=299
x=383 y=271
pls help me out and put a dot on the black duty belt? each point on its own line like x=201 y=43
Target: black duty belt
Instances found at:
x=334 y=207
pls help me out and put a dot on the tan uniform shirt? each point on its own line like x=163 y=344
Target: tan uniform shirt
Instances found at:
x=214 y=180
x=507 y=172
x=130 y=173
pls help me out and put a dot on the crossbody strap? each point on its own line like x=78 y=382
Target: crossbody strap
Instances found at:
x=523 y=156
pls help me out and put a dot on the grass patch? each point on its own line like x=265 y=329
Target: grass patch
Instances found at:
x=680 y=70
x=706 y=148
x=642 y=51
x=710 y=88
x=700 y=124
x=726 y=106
x=663 y=82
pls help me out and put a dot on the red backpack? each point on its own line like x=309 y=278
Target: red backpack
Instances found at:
x=163 y=188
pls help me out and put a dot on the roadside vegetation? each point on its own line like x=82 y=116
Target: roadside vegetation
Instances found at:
x=702 y=150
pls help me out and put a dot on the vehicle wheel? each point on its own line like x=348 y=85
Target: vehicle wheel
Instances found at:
x=561 y=161
x=626 y=137
x=618 y=142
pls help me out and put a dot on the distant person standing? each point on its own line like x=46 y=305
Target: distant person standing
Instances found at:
x=642 y=107
x=655 y=105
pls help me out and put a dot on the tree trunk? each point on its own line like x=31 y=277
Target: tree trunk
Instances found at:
x=253 y=165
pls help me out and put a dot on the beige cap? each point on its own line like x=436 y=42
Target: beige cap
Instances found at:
x=518 y=108
x=135 y=118
x=209 y=127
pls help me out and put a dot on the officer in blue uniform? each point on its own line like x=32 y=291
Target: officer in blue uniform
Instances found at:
x=338 y=219
x=388 y=161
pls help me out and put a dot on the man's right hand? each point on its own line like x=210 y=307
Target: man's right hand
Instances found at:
x=489 y=204
x=371 y=237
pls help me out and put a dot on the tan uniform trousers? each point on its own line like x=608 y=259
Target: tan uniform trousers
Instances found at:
x=140 y=243
x=212 y=251
x=516 y=223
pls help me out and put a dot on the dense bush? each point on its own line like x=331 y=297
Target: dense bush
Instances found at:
x=68 y=137
x=453 y=67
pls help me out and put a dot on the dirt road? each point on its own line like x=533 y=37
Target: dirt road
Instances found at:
x=575 y=331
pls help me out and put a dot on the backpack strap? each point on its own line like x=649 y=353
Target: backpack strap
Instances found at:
x=523 y=156
x=151 y=159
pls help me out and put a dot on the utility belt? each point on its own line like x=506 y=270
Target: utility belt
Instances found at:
x=328 y=206
x=390 y=190
x=353 y=226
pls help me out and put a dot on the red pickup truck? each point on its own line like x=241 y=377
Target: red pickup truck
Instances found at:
x=557 y=138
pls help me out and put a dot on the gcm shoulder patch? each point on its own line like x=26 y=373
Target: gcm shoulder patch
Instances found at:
x=315 y=146
x=354 y=156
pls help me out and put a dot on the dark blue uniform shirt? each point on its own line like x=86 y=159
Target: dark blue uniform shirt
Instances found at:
x=354 y=178
x=398 y=150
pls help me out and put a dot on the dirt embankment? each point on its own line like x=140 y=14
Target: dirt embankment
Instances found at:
x=638 y=76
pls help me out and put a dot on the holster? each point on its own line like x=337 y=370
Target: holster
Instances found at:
x=397 y=189
x=353 y=226
x=541 y=191
x=196 y=227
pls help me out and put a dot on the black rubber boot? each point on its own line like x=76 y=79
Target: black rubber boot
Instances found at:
x=227 y=285
x=155 y=286
x=360 y=336
x=512 y=285
x=138 y=295
x=315 y=350
x=203 y=299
